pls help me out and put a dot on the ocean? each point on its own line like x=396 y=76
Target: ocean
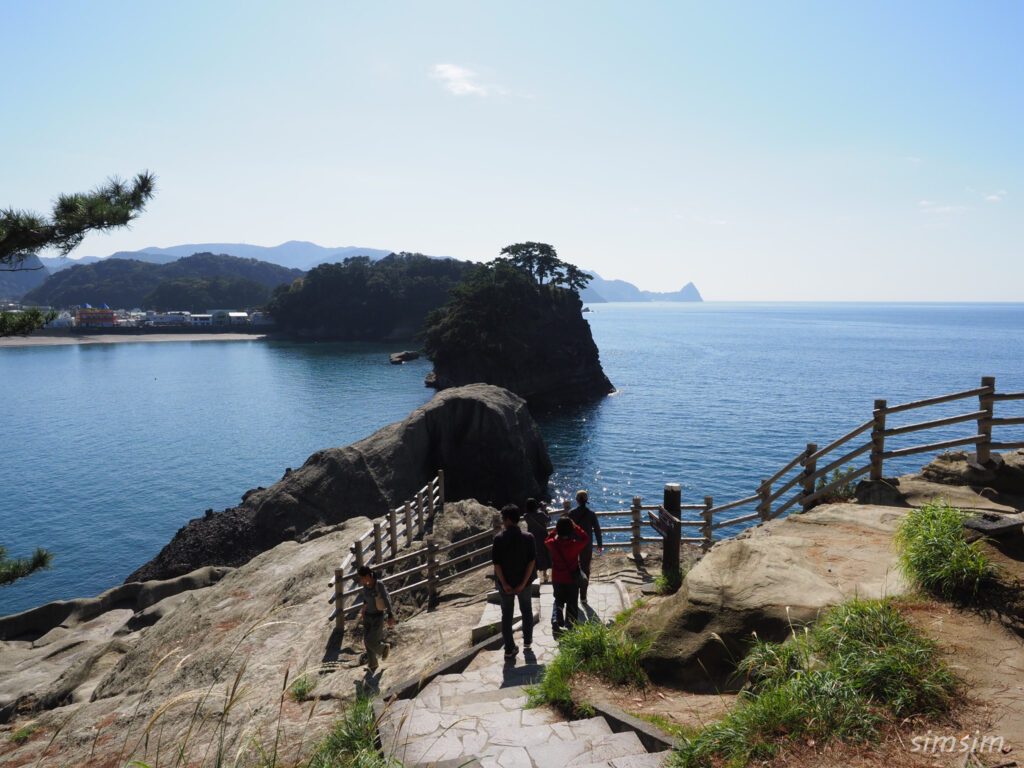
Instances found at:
x=109 y=449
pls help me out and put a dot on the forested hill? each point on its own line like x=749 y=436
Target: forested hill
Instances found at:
x=193 y=283
x=362 y=299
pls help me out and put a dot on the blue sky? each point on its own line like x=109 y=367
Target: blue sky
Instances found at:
x=763 y=150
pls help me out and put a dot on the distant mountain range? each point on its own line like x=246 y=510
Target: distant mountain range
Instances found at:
x=295 y=254
x=302 y=255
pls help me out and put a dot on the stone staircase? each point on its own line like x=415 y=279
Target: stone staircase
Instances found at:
x=478 y=719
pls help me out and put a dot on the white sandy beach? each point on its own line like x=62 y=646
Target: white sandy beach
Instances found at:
x=111 y=338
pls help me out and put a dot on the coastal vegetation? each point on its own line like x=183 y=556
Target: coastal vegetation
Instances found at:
x=194 y=283
x=934 y=554
x=861 y=667
x=364 y=300
x=14 y=568
x=516 y=322
x=595 y=649
x=24 y=233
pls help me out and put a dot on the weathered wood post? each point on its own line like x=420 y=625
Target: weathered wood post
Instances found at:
x=764 y=506
x=706 y=528
x=635 y=531
x=408 y=525
x=431 y=572
x=878 y=440
x=983 y=448
x=440 y=489
x=357 y=553
x=672 y=504
x=378 y=544
x=339 y=602
x=420 y=525
x=810 y=464
x=393 y=531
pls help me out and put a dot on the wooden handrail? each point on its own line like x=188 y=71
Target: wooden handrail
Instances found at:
x=844 y=439
x=838 y=462
x=734 y=504
x=849 y=476
x=935 y=423
x=800 y=457
x=931 y=447
x=937 y=400
x=1008 y=396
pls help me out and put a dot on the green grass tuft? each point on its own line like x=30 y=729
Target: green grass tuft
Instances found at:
x=22 y=735
x=302 y=687
x=591 y=648
x=934 y=555
x=353 y=741
x=861 y=666
x=668 y=583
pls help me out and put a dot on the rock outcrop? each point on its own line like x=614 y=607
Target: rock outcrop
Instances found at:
x=483 y=437
x=553 y=360
x=768 y=579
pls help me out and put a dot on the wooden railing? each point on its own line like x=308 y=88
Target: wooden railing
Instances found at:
x=385 y=538
x=801 y=481
x=805 y=479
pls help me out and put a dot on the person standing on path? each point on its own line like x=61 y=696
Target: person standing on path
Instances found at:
x=566 y=543
x=584 y=517
x=537 y=522
x=514 y=556
x=376 y=602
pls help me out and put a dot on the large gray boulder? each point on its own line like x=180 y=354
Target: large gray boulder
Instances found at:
x=482 y=436
x=768 y=580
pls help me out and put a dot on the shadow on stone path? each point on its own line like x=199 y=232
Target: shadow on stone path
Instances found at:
x=478 y=719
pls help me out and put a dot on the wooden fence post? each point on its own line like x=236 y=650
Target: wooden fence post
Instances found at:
x=431 y=571
x=357 y=553
x=408 y=525
x=430 y=502
x=878 y=440
x=636 y=531
x=393 y=531
x=764 y=506
x=339 y=602
x=810 y=466
x=440 y=488
x=378 y=544
x=419 y=512
x=706 y=528
x=983 y=448
x=670 y=540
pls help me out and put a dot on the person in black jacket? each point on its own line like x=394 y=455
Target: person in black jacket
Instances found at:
x=537 y=522
x=513 y=555
x=585 y=518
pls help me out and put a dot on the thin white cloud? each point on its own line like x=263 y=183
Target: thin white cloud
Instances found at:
x=928 y=206
x=462 y=81
x=996 y=197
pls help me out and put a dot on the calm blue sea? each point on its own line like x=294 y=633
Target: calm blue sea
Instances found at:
x=109 y=449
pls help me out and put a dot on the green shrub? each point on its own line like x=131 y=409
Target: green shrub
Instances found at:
x=842 y=492
x=934 y=555
x=862 y=665
x=591 y=648
x=353 y=741
x=22 y=735
x=668 y=583
x=301 y=687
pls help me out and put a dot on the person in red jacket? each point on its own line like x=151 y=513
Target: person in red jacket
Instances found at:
x=565 y=544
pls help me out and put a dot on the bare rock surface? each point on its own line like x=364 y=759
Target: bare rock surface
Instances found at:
x=90 y=688
x=482 y=436
x=768 y=580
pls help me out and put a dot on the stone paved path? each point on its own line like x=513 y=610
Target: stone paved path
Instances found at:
x=477 y=718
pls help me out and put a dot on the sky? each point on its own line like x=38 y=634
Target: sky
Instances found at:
x=765 y=151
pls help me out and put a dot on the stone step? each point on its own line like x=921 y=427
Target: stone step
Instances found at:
x=646 y=760
x=421 y=738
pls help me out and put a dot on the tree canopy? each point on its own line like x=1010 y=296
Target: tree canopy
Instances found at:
x=24 y=233
x=540 y=261
x=12 y=569
x=366 y=300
